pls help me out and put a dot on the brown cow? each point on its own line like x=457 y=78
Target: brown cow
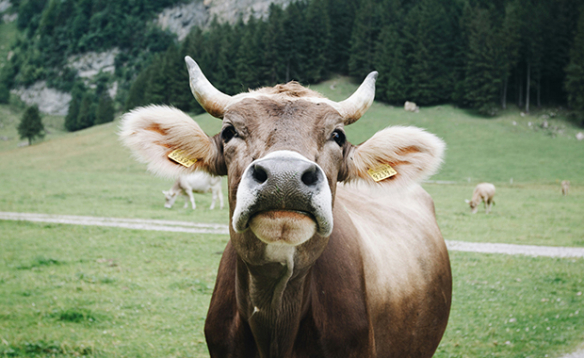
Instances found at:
x=484 y=192
x=315 y=267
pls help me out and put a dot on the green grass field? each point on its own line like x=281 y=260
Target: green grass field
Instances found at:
x=75 y=290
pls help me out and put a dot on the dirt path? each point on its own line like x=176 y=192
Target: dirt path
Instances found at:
x=190 y=227
x=137 y=224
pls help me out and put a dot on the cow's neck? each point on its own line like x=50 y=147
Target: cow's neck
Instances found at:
x=273 y=298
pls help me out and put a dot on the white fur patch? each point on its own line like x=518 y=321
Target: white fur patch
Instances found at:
x=414 y=153
x=283 y=254
x=153 y=132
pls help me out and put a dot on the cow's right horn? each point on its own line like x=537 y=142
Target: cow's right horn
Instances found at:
x=210 y=98
x=355 y=106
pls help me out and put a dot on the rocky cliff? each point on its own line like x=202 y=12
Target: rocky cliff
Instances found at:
x=178 y=19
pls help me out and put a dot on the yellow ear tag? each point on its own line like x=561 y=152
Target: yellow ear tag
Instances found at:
x=381 y=172
x=181 y=158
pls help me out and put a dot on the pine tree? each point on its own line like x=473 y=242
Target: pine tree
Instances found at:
x=482 y=81
x=317 y=41
x=4 y=93
x=248 y=58
x=342 y=18
x=86 y=116
x=136 y=95
x=156 y=88
x=273 y=42
x=105 y=109
x=224 y=50
x=71 y=123
x=177 y=79
x=390 y=62
x=296 y=50
x=363 y=38
x=574 y=83
x=508 y=41
x=72 y=113
x=429 y=32
x=31 y=126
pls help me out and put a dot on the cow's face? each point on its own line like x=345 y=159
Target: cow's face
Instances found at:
x=284 y=150
x=283 y=159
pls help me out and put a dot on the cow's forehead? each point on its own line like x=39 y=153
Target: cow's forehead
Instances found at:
x=262 y=108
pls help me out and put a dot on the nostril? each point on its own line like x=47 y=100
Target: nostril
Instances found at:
x=259 y=174
x=310 y=177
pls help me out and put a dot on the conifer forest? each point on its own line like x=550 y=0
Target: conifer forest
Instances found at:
x=479 y=54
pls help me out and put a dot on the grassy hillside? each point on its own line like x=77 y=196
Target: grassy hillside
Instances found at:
x=72 y=290
x=90 y=173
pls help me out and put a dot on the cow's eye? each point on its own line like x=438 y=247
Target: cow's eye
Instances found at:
x=228 y=133
x=339 y=137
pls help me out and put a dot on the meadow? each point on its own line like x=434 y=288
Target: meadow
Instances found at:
x=89 y=291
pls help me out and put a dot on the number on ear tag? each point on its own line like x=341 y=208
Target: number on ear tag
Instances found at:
x=381 y=172
x=181 y=158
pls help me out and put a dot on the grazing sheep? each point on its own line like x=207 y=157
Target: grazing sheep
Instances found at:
x=565 y=187
x=483 y=192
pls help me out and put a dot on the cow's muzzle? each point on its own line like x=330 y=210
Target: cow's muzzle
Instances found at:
x=284 y=198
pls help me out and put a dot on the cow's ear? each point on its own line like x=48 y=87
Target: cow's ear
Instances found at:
x=396 y=156
x=164 y=137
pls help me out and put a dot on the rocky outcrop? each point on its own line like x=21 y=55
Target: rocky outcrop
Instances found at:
x=49 y=100
x=231 y=10
x=181 y=18
x=90 y=64
x=4 y=7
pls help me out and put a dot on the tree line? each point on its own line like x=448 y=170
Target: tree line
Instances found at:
x=478 y=54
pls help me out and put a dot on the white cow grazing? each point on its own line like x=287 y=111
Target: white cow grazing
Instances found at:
x=199 y=182
x=565 y=187
x=483 y=192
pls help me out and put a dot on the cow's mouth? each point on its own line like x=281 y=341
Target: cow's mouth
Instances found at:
x=283 y=198
x=287 y=227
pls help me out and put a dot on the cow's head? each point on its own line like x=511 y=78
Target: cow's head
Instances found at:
x=283 y=149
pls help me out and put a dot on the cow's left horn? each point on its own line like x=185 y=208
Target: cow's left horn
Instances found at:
x=210 y=98
x=355 y=106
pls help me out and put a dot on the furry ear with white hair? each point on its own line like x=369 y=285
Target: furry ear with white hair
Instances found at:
x=154 y=132
x=411 y=152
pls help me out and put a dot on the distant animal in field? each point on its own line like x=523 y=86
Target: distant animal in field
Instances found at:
x=483 y=192
x=565 y=187
x=198 y=182
x=411 y=107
